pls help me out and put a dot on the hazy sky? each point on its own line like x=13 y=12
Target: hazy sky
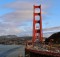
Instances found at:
x=16 y=16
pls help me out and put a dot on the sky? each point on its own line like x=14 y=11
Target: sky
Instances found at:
x=16 y=16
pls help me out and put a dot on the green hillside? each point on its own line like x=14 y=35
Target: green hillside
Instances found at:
x=54 y=37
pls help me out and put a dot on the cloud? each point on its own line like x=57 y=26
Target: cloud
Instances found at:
x=52 y=29
x=18 y=5
x=18 y=16
x=12 y=29
x=23 y=11
x=17 y=22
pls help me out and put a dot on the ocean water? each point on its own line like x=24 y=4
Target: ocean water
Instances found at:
x=12 y=50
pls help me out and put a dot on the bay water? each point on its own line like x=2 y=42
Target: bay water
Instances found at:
x=12 y=50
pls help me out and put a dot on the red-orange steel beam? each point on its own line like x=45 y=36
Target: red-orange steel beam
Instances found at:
x=35 y=21
x=41 y=34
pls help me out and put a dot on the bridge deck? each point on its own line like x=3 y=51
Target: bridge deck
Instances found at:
x=40 y=53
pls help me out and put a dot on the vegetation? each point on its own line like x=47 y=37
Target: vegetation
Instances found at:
x=54 y=38
x=13 y=39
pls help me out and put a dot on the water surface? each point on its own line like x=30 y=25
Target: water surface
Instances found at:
x=11 y=50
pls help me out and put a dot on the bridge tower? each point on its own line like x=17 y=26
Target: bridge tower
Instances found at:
x=37 y=24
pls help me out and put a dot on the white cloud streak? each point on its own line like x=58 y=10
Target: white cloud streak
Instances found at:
x=23 y=13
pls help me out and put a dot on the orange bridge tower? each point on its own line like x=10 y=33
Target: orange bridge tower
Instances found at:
x=37 y=24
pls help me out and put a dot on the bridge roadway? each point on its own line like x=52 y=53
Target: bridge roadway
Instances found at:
x=31 y=52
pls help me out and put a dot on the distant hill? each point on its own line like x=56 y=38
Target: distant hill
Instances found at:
x=14 y=36
x=13 y=39
x=8 y=36
x=55 y=37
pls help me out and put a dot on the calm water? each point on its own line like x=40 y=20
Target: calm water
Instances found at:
x=11 y=50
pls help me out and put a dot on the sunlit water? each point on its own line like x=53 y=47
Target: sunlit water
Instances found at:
x=12 y=50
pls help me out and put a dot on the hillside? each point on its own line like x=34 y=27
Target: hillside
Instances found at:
x=55 y=37
x=13 y=39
